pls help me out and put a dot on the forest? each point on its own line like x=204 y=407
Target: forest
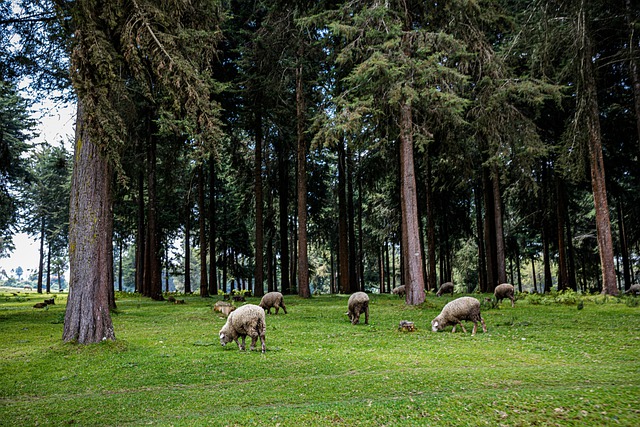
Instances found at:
x=323 y=146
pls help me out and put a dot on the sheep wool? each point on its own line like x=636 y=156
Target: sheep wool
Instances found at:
x=633 y=289
x=399 y=290
x=445 y=288
x=246 y=320
x=273 y=299
x=505 y=290
x=358 y=303
x=464 y=308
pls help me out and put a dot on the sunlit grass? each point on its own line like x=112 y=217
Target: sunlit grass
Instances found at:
x=541 y=363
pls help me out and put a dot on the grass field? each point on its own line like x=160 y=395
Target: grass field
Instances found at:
x=541 y=363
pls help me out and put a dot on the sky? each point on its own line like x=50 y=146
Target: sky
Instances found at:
x=56 y=122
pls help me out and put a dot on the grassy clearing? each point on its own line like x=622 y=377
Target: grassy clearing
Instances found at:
x=541 y=363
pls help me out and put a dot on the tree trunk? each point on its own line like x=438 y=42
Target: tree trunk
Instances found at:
x=303 y=261
x=257 y=171
x=626 y=270
x=343 y=228
x=283 y=190
x=120 y=248
x=187 y=245
x=353 y=270
x=500 y=249
x=633 y=64
x=140 y=250
x=548 y=282
x=431 y=229
x=412 y=262
x=533 y=273
x=87 y=318
x=563 y=272
x=489 y=231
x=213 y=268
x=153 y=268
x=482 y=265
x=48 y=287
x=41 y=255
x=204 y=283
x=598 y=181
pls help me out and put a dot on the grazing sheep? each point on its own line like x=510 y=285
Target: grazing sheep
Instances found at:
x=40 y=305
x=273 y=299
x=223 y=307
x=246 y=320
x=358 y=304
x=445 y=288
x=503 y=291
x=633 y=289
x=399 y=290
x=464 y=308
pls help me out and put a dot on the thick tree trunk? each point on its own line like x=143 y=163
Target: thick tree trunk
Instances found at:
x=213 y=268
x=412 y=262
x=343 y=228
x=303 y=260
x=87 y=318
x=257 y=171
x=598 y=181
x=153 y=268
x=204 y=283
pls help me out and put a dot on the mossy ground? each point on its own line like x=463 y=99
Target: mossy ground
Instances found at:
x=541 y=363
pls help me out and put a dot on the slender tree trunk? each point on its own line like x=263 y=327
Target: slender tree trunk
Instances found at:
x=533 y=272
x=343 y=228
x=626 y=270
x=213 y=268
x=120 y=249
x=41 y=255
x=303 y=261
x=153 y=269
x=283 y=185
x=431 y=229
x=204 y=283
x=353 y=277
x=482 y=266
x=140 y=250
x=87 y=318
x=563 y=272
x=633 y=64
x=381 y=268
x=187 y=246
x=517 y=249
x=500 y=248
x=48 y=287
x=360 y=262
x=257 y=171
x=489 y=232
x=598 y=181
x=412 y=251
x=548 y=282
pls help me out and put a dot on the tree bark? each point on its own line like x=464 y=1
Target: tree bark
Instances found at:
x=489 y=231
x=204 y=283
x=140 y=251
x=87 y=318
x=626 y=270
x=500 y=249
x=187 y=245
x=598 y=181
x=41 y=256
x=431 y=229
x=343 y=228
x=633 y=64
x=482 y=264
x=213 y=268
x=153 y=267
x=412 y=262
x=303 y=260
x=353 y=269
x=563 y=272
x=283 y=190
x=257 y=171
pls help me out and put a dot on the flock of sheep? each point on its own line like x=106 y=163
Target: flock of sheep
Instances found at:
x=249 y=319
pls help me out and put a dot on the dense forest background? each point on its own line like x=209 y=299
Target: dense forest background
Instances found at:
x=327 y=146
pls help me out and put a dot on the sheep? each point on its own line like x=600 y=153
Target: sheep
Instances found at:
x=399 y=290
x=445 y=288
x=273 y=299
x=505 y=290
x=633 y=289
x=358 y=304
x=464 y=308
x=246 y=320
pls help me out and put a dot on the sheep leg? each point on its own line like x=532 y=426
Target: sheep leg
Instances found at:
x=462 y=326
x=254 y=339
x=366 y=315
x=484 y=327
x=475 y=328
x=283 y=307
x=277 y=308
x=264 y=348
x=242 y=346
x=513 y=304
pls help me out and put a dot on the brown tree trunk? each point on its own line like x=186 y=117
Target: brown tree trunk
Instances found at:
x=412 y=260
x=257 y=171
x=303 y=260
x=548 y=282
x=500 y=249
x=489 y=231
x=482 y=263
x=431 y=229
x=87 y=318
x=353 y=276
x=533 y=273
x=626 y=269
x=213 y=268
x=140 y=251
x=598 y=181
x=343 y=228
x=633 y=64
x=153 y=268
x=41 y=256
x=283 y=185
x=187 y=246
x=563 y=272
x=204 y=283
x=48 y=287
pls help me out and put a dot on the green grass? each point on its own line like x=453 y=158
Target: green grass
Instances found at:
x=542 y=363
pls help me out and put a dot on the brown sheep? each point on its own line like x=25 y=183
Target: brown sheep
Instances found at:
x=445 y=288
x=273 y=299
x=505 y=290
x=358 y=303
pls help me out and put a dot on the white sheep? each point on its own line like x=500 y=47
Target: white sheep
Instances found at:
x=399 y=290
x=505 y=290
x=358 y=303
x=246 y=320
x=633 y=290
x=273 y=299
x=464 y=308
